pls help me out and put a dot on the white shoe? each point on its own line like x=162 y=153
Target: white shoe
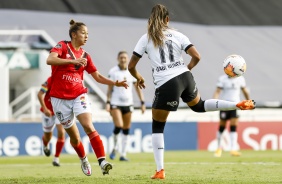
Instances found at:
x=86 y=167
x=106 y=167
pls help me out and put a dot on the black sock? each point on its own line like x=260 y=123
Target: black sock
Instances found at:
x=101 y=160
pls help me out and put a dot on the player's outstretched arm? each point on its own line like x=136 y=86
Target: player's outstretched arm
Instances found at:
x=217 y=93
x=192 y=51
x=40 y=96
x=132 y=69
x=246 y=93
x=104 y=80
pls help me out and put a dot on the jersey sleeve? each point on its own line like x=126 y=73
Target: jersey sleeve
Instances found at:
x=110 y=75
x=140 y=47
x=185 y=43
x=243 y=82
x=90 y=67
x=219 y=83
x=46 y=85
x=60 y=48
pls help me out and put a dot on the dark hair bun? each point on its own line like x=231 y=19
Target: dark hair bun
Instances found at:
x=72 y=22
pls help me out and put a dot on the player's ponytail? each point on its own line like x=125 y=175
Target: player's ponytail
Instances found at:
x=157 y=24
x=75 y=26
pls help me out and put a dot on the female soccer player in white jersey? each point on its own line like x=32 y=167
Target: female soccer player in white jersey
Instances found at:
x=49 y=121
x=68 y=94
x=172 y=78
x=120 y=103
x=230 y=88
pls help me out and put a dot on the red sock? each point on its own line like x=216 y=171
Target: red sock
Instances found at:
x=79 y=149
x=59 y=146
x=45 y=143
x=97 y=144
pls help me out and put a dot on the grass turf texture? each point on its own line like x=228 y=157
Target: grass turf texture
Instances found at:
x=180 y=166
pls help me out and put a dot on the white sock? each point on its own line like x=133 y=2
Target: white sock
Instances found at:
x=158 y=148
x=218 y=136
x=115 y=136
x=215 y=105
x=233 y=140
x=56 y=159
x=124 y=144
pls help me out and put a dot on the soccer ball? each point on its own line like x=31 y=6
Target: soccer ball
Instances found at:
x=234 y=65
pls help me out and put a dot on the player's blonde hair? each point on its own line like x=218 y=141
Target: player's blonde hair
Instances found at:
x=157 y=24
x=75 y=26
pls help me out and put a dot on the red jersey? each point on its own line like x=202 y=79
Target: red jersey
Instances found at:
x=45 y=88
x=68 y=79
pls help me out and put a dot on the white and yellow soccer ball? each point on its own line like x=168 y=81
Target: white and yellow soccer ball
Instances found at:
x=234 y=65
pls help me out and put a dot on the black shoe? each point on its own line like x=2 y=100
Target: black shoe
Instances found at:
x=56 y=164
x=123 y=159
x=47 y=151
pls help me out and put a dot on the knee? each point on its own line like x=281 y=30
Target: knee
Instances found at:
x=125 y=131
x=199 y=107
x=158 y=127
x=75 y=141
x=233 y=128
x=116 y=130
x=88 y=128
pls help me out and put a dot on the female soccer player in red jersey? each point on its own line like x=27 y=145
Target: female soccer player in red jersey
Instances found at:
x=68 y=94
x=172 y=78
x=49 y=121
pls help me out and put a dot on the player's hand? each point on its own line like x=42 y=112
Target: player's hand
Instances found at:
x=140 y=83
x=143 y=108
x=47 y=112
x=80 y=62
x=121 y=84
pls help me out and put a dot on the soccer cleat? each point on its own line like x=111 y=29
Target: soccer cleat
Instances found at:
x=113 y=154
x=246 y=105
x=235 y=153
x=106 y=167
x=218 y=152
x=56 y=164
x=47 y=151
x=86 y=167
x=159 y=175
x=122 y=158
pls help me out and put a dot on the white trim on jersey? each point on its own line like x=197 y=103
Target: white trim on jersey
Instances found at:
x=121 y=96
x=231 y=87
x=166 y=61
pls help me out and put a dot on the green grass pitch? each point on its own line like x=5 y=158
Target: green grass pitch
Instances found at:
x=180 y=166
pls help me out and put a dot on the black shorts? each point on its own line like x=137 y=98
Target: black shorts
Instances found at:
x=123 y=109
x=226 y=115
x=167 y=95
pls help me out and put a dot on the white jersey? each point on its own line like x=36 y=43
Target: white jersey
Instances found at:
x=121 y=96
x=166 y=61
x=231 y=87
